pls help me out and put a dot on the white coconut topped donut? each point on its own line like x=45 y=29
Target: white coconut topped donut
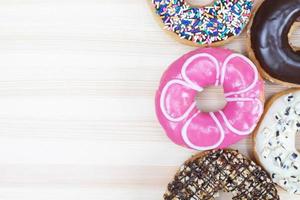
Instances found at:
x=275 y=140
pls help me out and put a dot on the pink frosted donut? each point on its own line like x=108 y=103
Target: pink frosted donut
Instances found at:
x=176 y=106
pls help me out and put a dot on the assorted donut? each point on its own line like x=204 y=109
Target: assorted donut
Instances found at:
x=176 y=108
x=269 y=41
x=275 y=140
x=205 y=174
x=275 y=125
x=206 y=25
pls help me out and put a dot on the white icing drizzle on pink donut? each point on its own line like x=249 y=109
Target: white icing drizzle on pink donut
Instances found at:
x=163 y=95
x=191 y=145
x=250 y=64
x=190 y=60
x=192 y=112
x=230 y=126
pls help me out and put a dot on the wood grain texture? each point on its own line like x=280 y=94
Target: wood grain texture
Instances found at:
x=77 y=85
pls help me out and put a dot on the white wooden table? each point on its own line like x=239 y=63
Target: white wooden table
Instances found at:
x=77 y=85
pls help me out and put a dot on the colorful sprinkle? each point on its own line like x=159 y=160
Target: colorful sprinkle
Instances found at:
x=204 y=25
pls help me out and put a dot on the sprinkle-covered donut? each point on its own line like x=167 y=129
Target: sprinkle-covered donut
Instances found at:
x=176 y=106
x=275 y=137
x=204 y=175
x=269 y=37
x=205 y=25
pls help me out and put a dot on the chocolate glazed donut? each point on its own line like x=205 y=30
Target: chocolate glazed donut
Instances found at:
x=270 y=41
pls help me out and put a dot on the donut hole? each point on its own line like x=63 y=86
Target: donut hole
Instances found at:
x=211 y=99
x=200 y=3
x=294 y=34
